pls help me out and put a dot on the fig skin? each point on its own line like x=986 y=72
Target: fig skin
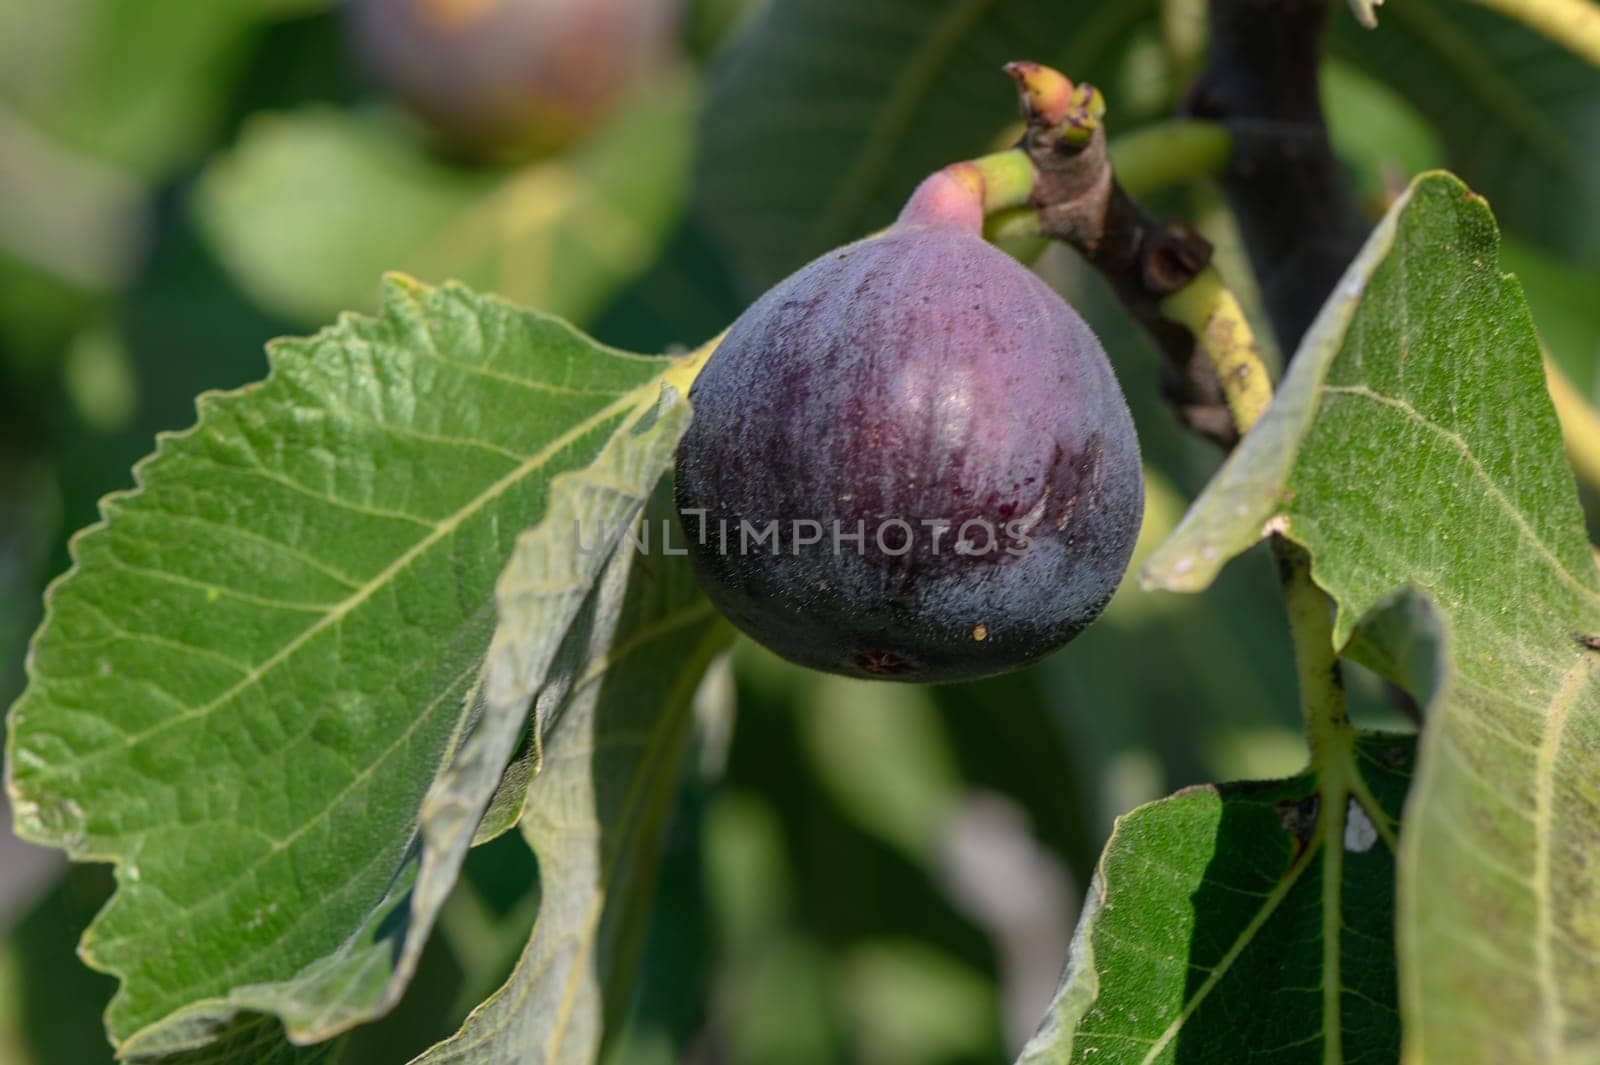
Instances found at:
x=923 y=375
x=498 y=79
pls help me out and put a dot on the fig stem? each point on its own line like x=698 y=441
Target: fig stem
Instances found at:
x=1322 y=701
x=1003 y=180
x=1077 y=199
x=1149 y=159
x=963 y=194
x=1162 y=274
x=1013 y=223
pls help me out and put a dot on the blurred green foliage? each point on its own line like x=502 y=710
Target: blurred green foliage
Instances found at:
x=182 y=181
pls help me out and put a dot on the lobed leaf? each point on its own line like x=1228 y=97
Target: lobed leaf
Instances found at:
x=262 y=691
x=1413 y=446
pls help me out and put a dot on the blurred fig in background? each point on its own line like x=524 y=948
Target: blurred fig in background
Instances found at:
x=497 y=79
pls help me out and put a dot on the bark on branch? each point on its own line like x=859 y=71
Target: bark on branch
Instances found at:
x=1283 y=181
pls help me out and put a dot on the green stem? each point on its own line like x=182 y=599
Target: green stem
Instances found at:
x=1209 y=310
x=1333 y=760
x=1169 y=153
x=1004 y=180
x=1061 y=184
x=1573 y=24
x=1015 y=223
x=1322 y=698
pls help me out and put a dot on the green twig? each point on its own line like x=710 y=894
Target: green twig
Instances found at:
x=1077 y=199
x=1002 y=181
x=1161 y=273
x=1168 y=153
x=1209 y=310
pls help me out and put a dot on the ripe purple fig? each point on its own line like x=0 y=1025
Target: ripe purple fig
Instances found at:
x=498 y=78
x=911 y=459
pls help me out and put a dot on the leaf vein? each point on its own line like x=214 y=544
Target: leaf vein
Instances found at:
x=383 y=577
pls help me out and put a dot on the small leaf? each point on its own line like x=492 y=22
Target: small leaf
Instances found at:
x=615 y=724
x=1244 y=923
x=266 y=654
x=1413 y=446
x=311 y=206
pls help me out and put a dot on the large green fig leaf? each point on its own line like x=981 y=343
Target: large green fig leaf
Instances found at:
x=824 y=114
x=1516 y=111
x=264 y=692
x=1241 y=923
x=313 y=204
x=1413 y=446
x=616 y=722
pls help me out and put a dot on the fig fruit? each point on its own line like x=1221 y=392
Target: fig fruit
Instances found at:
x=498 y=78
x=911 y=459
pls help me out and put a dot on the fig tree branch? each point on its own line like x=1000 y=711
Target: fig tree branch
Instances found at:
x=1079 y=200
x=1283 y=182
x=1145 y=160
x=1161 y=272
x=1059 y=183
x=1211 y=312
